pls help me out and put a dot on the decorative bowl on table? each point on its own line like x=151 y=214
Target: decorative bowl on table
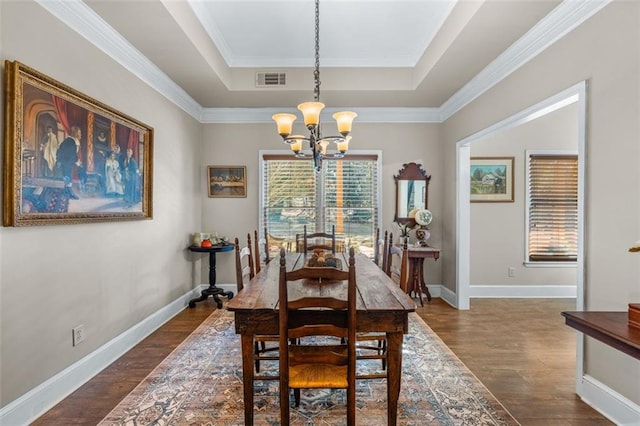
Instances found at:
x=321 y=259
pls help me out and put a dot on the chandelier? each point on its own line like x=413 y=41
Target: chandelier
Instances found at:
x=311 y=112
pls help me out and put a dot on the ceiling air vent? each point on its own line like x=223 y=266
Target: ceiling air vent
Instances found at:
x=271 y=79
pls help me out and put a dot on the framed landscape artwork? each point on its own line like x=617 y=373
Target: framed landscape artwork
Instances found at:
x=491 y=179
x=69 y=158
x=227 y=181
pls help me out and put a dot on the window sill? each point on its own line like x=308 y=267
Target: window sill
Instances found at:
x=549 y=264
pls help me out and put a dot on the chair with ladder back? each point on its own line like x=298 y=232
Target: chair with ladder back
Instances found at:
x=318 y=362
x=244 y=272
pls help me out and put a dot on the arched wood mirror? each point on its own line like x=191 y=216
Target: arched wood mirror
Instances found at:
x=412 y=192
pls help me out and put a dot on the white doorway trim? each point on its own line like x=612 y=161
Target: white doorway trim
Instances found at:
x=576 y=93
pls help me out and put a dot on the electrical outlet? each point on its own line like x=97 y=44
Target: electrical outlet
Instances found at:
x=77 y=335
x=511 y=271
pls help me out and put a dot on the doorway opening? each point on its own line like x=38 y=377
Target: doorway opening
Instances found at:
x=574 y=94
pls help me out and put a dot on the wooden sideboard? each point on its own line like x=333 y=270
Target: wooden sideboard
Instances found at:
x=611 y=328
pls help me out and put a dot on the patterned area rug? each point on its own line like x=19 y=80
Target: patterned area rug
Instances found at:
x=200 y=383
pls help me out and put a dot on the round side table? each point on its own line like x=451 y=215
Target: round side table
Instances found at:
x=212 y=290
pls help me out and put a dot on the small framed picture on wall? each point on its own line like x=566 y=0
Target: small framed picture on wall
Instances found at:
x=491 y=179
x=227 y=181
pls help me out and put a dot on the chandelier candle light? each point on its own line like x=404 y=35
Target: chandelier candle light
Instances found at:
x=311 y=113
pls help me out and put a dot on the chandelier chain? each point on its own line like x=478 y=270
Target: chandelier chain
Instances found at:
x=311 y=114
x=316 y=73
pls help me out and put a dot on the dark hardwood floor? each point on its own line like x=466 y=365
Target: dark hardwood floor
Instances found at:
x=522 y=352
x=519 y=348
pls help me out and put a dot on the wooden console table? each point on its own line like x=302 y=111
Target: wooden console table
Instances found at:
x=415 y=278
x=611 y=328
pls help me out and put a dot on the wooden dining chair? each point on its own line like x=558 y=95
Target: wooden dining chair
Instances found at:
x=388 y=240
x=258 y=243
x=256 y=252
x=317 y=363
x=380 y=249
x=376 y=247
x=244 y=272
x=244 y=263
x=397 y=263
x=265 y=242
x=328 y=240
x=374 y=345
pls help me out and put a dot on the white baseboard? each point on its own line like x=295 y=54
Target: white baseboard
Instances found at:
x=523 y=291
x=448 y=296
x=608 y=402
x=38 y=400
x=438 y=290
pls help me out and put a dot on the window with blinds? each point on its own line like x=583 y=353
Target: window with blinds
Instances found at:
x=552 y=199
x=344 y=194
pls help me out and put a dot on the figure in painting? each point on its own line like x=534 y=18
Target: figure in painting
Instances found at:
x=49 y=148
x=100 y=154
x=131 y=179
x=113 y=176
x=119 y=156
x=68 y=157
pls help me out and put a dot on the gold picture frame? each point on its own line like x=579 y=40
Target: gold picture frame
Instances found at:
x=69 y=158
x=492 y=180
x=227 y=181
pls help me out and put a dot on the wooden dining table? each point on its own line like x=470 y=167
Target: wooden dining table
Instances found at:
x=381 y=307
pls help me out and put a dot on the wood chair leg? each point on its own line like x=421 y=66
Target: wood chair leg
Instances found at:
x=351 y=406
x=296 y=397
x=284 y=405
x=256 y=352
x=382 y=350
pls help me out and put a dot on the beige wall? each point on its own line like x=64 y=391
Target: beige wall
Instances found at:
x=107 y=276
x=603 y=51
x=498 y=229
x=234 y=144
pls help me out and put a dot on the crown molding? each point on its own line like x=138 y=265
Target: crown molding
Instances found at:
x=563 y=19
x=365 y=115
x=82 y=19
x=559 y=22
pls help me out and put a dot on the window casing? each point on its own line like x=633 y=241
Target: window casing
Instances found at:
x=345 y=194
x=552 y=207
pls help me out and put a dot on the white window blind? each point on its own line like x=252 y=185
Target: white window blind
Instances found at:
x=552 y=208
x=344 y=195
x=350 y=196
x=289 y=196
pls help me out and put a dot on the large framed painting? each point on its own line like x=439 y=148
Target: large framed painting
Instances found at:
x=69 y=158
x=227 y=181
x=491 y=179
